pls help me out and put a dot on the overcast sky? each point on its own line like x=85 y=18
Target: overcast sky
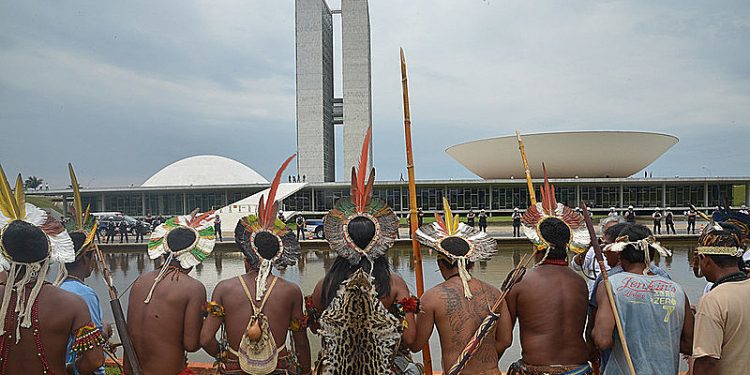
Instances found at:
x=122 y=89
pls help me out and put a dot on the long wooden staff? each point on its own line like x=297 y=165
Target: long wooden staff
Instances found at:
x=119 y=315
x=120 y=323
x=413 y=202
x=532 y=193
x=605 y=280
x=490 y=321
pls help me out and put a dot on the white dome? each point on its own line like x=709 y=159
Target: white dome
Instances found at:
x=203 y=170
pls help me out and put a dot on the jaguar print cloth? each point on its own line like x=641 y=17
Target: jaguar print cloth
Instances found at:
x=359 y=335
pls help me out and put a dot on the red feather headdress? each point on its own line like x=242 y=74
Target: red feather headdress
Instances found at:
x=361 y=204
x=550 y=208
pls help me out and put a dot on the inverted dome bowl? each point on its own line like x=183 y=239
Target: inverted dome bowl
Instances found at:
x=590 y=154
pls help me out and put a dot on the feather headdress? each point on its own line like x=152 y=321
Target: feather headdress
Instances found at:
x=266 y=221
x=474 y=245
x=642 y=245
x=715 y=238
x=549 y=209
x=202 y=226
x=13 y=207
x=83 y=221
x=739 y=219
x=361 y=204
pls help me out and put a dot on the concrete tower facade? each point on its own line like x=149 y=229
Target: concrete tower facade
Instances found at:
x=314 y=60
x=317 y=110
x=357 y=78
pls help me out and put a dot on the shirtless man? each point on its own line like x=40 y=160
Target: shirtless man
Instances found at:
x=550 y=304
x=266 y=242
x=165 y=313
x=283 y=310
x=55 y=314
x=459 y=305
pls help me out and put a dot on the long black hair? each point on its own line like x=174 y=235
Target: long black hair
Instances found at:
x=342 y=270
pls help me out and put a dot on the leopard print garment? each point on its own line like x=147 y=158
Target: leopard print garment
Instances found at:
x=359 y=335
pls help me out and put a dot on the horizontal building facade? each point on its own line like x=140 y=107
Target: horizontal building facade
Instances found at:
x=496 y=196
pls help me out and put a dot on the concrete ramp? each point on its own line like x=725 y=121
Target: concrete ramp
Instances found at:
x=232 y=213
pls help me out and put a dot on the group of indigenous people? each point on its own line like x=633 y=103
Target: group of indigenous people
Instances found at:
x=634 y=320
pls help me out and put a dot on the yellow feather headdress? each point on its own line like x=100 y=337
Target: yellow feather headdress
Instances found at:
x=478 y=245
x=83 y=222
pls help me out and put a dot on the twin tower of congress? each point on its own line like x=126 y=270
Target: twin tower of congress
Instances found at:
x=317 y=109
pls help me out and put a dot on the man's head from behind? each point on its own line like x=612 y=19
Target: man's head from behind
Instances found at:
x=456 y=246
x=631 y=253
x=557 y=234
x=24 y=243
x=179 y=239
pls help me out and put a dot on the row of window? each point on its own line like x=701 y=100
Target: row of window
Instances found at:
x=429 y=198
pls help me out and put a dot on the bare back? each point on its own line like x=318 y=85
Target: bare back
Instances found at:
x=61 y=314
x=551 y=304
x=169 y=325
x=457 y=318
x=281 y=303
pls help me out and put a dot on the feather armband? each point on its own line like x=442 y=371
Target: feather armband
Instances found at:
x=410 y=305
x=312 y=315
x=86 y=338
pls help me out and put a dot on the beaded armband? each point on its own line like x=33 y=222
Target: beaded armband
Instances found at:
x=86 y=338
x=215 y=309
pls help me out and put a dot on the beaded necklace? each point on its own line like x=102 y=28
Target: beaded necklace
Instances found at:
x=5 y=346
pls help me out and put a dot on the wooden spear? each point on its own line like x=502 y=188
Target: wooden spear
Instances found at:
x=413 y=203
x=529 y=183
x=605 y=280
x=114 y=299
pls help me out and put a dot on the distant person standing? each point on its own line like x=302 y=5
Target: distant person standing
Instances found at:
x=516 y=222
x=124 y=231
x=140 y=229
x=691 y=216
x=470 y=218
x=420 y=217
x=630 y=215
x=300 y=227
x=669 y=220
x=281 y=216
x=482 y=221
x=657 y=221
x=110 y=231
x=217 y=228
x=612 y=212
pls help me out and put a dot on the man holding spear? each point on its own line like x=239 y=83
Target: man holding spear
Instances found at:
x=550 y=303
x=84 y=228
x=458 y=305
x=651 y=313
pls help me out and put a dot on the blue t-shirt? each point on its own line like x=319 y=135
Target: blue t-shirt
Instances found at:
x=95 y=309
x=604 y=354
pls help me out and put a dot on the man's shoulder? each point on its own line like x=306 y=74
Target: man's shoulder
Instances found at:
x=78 y=288
x=288 y=286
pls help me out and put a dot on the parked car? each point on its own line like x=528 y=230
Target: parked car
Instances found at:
x=117 y=218
x=314 y=229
